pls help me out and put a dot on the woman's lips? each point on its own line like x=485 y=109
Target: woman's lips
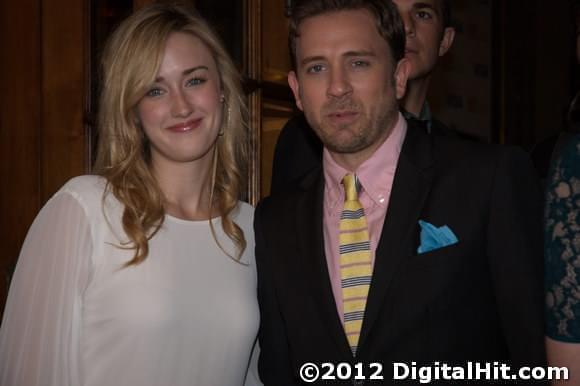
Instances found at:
x=185 y=126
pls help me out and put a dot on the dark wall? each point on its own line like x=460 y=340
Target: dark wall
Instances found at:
x=510 y=75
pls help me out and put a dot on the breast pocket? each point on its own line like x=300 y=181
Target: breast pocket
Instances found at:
x=440 y=275
x=440 y=258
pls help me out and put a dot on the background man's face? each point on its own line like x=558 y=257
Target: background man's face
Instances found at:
x=345 y=81
x=427 y=39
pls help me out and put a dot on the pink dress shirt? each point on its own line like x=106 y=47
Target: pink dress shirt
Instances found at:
x=376 y=178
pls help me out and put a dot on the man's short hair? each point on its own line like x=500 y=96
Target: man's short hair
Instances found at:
x=446 y=12
x=388 y=21
x=575 y=8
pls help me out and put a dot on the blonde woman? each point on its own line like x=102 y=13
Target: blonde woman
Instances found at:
x=144 y=274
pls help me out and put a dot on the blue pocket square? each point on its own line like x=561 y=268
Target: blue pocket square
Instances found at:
x=434 y=238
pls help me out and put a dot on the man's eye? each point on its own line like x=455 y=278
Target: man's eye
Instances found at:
x=154 y=92
x=360 y=63
x=195 y=81
x=424 y=15
x=315 y=68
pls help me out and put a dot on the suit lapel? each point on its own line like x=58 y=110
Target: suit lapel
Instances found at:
x=411 y=187
x=309 y=225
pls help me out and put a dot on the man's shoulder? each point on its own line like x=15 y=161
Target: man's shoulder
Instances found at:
x=305 y=187
x=298 y=133
x=446 y=142
x=298 y=151
x=456 y=152
x=453 y=140
x=439 y=128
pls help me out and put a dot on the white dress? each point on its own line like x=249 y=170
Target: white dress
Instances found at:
x=188 y=315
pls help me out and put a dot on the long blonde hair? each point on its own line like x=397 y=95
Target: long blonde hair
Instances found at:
x=130 y=62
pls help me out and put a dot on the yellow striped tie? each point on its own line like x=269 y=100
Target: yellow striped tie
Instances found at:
x=355 y=262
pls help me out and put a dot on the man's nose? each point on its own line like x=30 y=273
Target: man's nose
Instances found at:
x=409 y=25
x=339 y=83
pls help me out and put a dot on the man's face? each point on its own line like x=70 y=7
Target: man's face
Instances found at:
x=346 y=82
x=427 y=38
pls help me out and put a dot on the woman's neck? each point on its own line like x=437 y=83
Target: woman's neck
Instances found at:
x=186 y=187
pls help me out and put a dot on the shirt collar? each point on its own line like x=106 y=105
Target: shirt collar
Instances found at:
x=373 y=174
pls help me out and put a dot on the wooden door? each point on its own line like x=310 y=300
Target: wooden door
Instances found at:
x=43 y=136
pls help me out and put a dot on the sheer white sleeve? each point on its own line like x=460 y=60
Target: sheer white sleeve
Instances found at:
x=41 y=330
x=252 y=377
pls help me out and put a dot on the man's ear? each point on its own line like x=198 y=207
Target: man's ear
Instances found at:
x=293 y=83
x=446 y=40
x=400 y=76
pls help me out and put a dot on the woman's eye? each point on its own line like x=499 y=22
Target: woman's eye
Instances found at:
x=195 y=81
x=154 y=92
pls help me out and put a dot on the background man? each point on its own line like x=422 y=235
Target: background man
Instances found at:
x=429 y=35
x=358 y=280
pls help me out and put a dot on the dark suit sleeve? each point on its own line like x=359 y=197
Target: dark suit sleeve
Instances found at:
x=515 y=252
x=274 y=364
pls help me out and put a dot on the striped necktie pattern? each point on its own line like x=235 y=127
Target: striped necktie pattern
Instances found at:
x=355 y=262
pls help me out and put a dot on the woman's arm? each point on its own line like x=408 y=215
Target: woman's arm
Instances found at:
x=40 y=332
x=563 y=354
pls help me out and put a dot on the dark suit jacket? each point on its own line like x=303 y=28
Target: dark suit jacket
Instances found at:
x=480 y=299
x=298 y=151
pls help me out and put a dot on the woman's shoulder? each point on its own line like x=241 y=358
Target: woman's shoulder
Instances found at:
x=566 y=166
x=572 y=148
x=86 y=190
x=243 y=214
x=85 y=186
x=245 y=209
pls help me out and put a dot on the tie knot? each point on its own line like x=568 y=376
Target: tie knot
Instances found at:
x=349 y=182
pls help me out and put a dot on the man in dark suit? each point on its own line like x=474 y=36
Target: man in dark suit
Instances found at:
x=429 y=35
x=446 y=233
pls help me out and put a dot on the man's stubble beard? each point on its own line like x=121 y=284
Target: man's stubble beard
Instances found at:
x=363 y=133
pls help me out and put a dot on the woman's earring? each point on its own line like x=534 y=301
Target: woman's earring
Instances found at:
x=227 y=121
